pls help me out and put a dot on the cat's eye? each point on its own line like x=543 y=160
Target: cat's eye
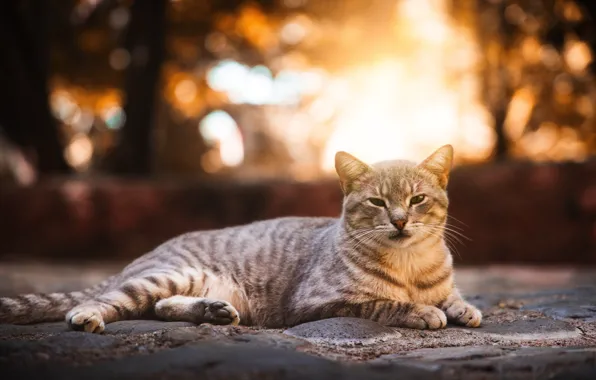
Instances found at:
x=377 y=202
x=417 y=199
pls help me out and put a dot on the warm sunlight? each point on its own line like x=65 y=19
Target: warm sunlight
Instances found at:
x=410 y=103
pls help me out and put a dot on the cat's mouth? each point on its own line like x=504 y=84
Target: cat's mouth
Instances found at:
x=397 y=235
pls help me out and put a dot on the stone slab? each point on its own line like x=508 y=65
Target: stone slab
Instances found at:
x=494 y=362
x=80 y=341
x=143 y=326
x=344 y=332
x=565 y=309
x=529 y=330
x=582 y=373
x=212 y=361
x=578 y=302
x=183 y=335
x=446 y=353
x=7 y=330
x=531 y=364
x=271 y=339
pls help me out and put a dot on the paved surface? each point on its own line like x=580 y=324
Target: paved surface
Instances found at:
x=539 y=324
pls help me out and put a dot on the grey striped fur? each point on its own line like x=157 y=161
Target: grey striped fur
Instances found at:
x=286 y=271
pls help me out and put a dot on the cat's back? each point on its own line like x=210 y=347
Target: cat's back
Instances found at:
x=259 y=237
x=297 y=224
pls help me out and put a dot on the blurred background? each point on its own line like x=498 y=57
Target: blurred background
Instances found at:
x=124 y=123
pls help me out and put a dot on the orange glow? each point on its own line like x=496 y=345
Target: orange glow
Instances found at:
x=301 y=85
x=531 y=50
x=550 y=142
x=79 y=151
x=518 y=114
x=407 y=105
x=186 y=90
x=571 y=11
x=183 y=92
x=254 y=25
x=577 y=55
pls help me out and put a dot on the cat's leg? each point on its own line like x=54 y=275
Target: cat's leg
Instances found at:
x=132 y=299
x=460 y=312
x=386 y=312
x=197 y=310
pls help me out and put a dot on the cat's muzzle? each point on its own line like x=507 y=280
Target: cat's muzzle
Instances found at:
x=399 y=235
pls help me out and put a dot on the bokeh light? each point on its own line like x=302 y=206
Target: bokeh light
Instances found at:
x=119 y=59
x=303 y=79
x=79 y=151
x=186 y=91
x=114 y=117
x=219 y=129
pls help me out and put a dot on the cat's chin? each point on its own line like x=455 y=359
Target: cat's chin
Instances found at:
x=401 y=240
x=399 y=236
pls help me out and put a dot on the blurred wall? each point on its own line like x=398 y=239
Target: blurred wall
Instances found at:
x=511 y=212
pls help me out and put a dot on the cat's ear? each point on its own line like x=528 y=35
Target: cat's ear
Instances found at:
x=439 y=164
x=349 y=169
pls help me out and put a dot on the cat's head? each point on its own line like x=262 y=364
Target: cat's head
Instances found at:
x=395 y=202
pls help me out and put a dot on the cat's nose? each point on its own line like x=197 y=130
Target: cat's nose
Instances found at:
x=399 y=223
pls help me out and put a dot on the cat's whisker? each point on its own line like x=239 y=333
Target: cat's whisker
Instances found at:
x=457 y=220
x=448 y=242
x=451 y=230
x=363 y=238
x=455 y=228
x=451 y=235
x=459 y=235
x=449 y=239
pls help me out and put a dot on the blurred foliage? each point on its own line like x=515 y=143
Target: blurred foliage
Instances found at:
x=517 y=75
x=539 y=75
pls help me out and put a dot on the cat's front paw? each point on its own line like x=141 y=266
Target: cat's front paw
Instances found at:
x=220 y=313
x=197 y=310
x=426 y=317
x=462 y=313
x=86 y=319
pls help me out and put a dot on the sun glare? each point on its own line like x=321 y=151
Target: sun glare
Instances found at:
x=407 y=105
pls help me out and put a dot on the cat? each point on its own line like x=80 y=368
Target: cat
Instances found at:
x=385 y=259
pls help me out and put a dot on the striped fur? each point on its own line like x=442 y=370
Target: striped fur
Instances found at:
x=286 y=271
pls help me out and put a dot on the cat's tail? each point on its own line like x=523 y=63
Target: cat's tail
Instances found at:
x=50 y=307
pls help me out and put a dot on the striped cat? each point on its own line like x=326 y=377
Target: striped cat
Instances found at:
x=385 y=258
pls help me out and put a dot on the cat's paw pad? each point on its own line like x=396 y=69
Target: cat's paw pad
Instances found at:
x=220 y=313
x=462 y=313
x=427 y=317
x=85 y=319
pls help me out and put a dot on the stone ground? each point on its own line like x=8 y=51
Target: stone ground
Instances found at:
x=538 y=324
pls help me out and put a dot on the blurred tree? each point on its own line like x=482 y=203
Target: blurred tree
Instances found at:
x=538 y=73
x=587 y=28
x=145 y=44
x=24 y=110
x=496 y=38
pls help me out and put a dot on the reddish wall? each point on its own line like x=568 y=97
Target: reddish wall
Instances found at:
x=513 y=212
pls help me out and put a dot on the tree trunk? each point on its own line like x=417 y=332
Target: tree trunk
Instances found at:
x=497 y=92
x=588 y=27
x=145 y=43
x=25 y=114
